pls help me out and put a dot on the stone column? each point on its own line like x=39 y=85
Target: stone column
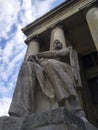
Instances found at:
x=92 y=20
x=33 y=48
x=57 y=34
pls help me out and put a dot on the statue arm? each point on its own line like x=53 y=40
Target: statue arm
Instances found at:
x=73 y=57
x=54 y=53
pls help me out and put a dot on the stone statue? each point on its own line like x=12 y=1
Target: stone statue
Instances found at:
x=55 y=78
x=56 y=72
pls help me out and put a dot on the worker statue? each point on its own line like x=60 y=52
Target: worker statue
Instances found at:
x=56 y=72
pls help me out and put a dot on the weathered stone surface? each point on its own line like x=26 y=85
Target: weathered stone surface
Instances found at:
x=90 y=127
x=58 y=119
x=11 y=123
x=56 y=116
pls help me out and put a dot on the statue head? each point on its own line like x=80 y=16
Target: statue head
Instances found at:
x=57 y=45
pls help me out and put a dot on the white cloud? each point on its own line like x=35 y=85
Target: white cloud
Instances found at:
x=4 y=105
x=9 y=10
x=27 y=8
x=40 y=7
x=6 y=91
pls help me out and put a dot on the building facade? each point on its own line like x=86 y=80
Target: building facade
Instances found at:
x=79 y=19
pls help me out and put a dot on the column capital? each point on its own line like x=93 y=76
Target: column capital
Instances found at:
x=57 y=25
x=91 y=9
x=34 y=38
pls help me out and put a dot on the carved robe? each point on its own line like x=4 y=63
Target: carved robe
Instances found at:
x=54 y=77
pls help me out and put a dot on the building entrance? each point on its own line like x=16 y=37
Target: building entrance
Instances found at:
x=90 y=87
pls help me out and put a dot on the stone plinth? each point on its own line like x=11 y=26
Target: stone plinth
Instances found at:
x=58 y=119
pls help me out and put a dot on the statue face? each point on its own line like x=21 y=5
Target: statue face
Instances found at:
x=57 y=45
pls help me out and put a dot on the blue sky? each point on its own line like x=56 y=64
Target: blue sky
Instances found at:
x=14 y=15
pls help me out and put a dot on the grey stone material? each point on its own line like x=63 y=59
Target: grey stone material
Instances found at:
x=11 y=123
x=58 y=119
x=55 y=74
x=56 y=116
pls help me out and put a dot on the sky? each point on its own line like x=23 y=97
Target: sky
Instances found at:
x=14 y=15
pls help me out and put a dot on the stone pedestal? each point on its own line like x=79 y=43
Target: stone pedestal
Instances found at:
x=58 y=119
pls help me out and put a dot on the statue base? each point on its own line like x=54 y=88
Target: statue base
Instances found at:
x=58 y=119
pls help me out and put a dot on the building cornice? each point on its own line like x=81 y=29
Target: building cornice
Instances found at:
x=58 y=14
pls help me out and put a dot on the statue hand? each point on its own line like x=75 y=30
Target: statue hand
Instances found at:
x=33 y=58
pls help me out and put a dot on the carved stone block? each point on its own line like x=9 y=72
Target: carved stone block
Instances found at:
x=58 y=119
